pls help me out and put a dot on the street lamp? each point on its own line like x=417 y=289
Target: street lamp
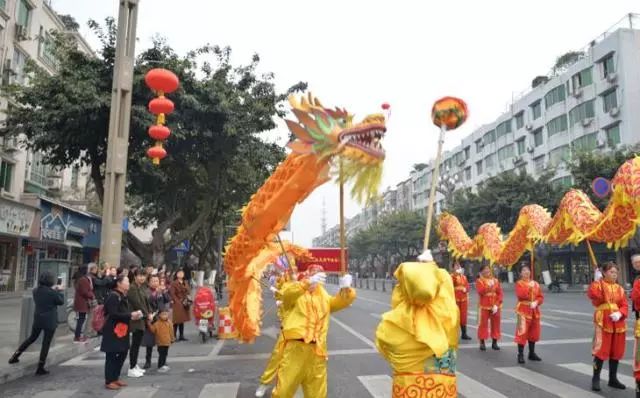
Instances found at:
x=447 y=186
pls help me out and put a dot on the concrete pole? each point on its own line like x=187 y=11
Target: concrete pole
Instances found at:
x=118 y=142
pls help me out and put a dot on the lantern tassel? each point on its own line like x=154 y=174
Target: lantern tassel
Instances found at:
x=156 y=161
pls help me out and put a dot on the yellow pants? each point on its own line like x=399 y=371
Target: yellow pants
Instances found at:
x=274 y=362
x=301 y=366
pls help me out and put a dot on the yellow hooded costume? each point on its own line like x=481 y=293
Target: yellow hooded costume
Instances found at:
x=419 y=336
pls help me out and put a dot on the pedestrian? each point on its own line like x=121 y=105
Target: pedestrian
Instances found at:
x=609 y=318
x=159 y=300
x=530 y=298
x=187 y=275
x=102 y=282
x=180 y=296
x=164 y=334
x=635 y=299
x=461 y=287
x=489 y=308
x=83 y=300
x=304 y=359
x=115 y=334
x=47 y=298
x=138 y=301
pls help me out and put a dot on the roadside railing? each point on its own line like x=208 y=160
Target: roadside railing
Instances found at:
x=379 y=284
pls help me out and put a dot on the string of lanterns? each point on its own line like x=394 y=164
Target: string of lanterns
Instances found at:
x=162 y=82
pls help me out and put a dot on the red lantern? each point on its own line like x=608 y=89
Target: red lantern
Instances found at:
x=162 y=80
x=159 y=132
x=156 y=153
x=161 y=105
x=386 y=106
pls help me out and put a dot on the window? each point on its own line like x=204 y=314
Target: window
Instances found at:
x=503 y=128
x=559 y=154
x=581 y=112
x=479 y=167
x=45 y=49
x=467 y=173
x=74 y=176
x=467 y=153
x=554 y=96
x=538 y=138
x=607 y=66
x=521 y=147
x=505 y=152
x=519 y=120
x=609 y=100
x=536 y=110
x=459 y=157
x=489 y=137
x=19 y=61
x=479 y=146
x=22 y=13
x=585 y=143
x=3 y=4
x=582 y=79
x=6 y=172
x=538 y=163
x=38 y=170
x=563 y=182
x=488 y=161
x=613 y=135
x=557 y=125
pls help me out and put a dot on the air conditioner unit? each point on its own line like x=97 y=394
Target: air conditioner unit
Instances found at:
x=615 y=111
x=529 y=126
x=612 y=77
x=530 y=149
x=21 y=32
x=600 y=143
x=577 y=93
x=587 y=121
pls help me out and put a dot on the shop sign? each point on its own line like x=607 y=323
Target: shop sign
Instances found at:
x=55 y=225
x=15 y=219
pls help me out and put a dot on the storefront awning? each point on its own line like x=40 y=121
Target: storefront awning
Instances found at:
x=76 y=230
x=73 y=243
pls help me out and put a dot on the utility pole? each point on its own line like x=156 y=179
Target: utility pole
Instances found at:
x=118 y=143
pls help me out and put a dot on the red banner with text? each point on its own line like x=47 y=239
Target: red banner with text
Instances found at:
x=329 y=258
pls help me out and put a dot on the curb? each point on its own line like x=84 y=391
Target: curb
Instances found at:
x=56 y=355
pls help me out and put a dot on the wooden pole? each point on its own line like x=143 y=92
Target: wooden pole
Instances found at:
x=343 y=235
x=434 y=182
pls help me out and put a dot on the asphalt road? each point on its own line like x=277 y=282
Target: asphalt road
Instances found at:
x=226 y=369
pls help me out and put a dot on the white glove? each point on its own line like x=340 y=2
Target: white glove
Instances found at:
x=615 y=316
x=491 y=283
x=532 y=283
x=278 y=303
x=533 y=305
x=319 y=278
x=345 y=281
x=494 y=309
x=273 y=289
x=598 y=275
x=464 y=290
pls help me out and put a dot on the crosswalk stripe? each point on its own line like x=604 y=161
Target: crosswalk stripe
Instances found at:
x=379 y=386
x=219 y=390
x=545 y=383
x=585 y=369
x=473 y=389
x=627 y=362
x=136 y=392
x=55 y=394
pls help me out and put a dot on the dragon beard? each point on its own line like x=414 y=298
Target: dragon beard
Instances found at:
x=364 y=178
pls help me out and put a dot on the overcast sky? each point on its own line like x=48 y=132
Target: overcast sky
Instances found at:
x=359 y=54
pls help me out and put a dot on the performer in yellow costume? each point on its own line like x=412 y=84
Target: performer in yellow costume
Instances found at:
x=305 y=327
x=419 y=336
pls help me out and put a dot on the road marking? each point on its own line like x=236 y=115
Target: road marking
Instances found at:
x=503 y=334
x=216 y=349
x=353 y=332
x=546 y=383
x=55 y=394
x=627 y=362
x=471 y=388
x=585 y=369
x=136 y=392
x=379 y=386
x=587 y=314
x=219 y=390
x=271 y=331
x=388 y=304
x=557 y=318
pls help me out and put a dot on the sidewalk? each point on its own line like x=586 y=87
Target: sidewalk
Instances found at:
x=62 y=348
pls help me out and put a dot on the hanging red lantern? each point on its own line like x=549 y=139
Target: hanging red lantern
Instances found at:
x=159 y=132
x=161 y=80
x=156 y=153
x=386 y=106
x=161 y=105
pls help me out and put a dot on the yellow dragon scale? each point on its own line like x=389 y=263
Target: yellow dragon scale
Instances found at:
x=576 y=219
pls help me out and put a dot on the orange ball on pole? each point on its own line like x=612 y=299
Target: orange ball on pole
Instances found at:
x=450 y=112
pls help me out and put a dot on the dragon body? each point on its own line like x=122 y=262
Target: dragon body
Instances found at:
x=323 y=136
x=577 y=219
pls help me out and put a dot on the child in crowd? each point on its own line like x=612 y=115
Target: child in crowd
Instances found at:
x=162 y=329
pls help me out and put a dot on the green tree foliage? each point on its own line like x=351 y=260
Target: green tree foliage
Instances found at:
x=217 y=157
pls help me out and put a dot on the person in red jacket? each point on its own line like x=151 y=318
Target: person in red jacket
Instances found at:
x=82 y=301
x=489 y=307
x=461 y=287
x=609 y=320
x=530 y=298
x=635 y=299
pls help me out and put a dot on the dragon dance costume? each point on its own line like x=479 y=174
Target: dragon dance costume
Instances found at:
x=419 y=336
x=635 y=298
x=489 y=308
x=530 y=298
x=461 y=287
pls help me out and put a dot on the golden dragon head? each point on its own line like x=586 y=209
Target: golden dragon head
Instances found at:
x=331 y=133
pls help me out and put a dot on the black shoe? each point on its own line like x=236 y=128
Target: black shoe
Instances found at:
x=182 y=339
x=637 y=388
x=532 y=352
x=147 y=365
x=494 y=345
x=464 y=335
x=482 y=346
x=521 y=359
x=41 y=371
x=597 y=368
x=15 y=358
x=613 y=376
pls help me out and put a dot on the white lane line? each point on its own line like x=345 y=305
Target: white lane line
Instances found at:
x=585 y=369
x=353 y=332
x=219 y=390
x=388 y=304
x=546 y=383
x=379 y=386
x=473 y=389
x=55 y=394
x=136 y=392
x=216 y=349
x=587 y=314
x=627 y=362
